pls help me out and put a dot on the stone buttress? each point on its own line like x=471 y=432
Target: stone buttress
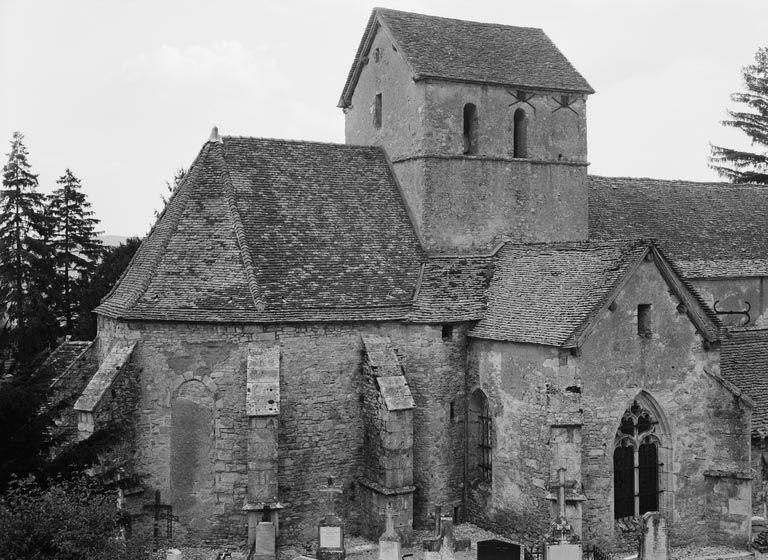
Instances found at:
x=262 y=407
x=388 y=405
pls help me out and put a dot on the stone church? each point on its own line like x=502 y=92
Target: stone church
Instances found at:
x=446 y=310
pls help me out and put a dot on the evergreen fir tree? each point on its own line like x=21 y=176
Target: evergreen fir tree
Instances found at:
x=22 y=255
x=75 y=244
x=742 y=166
x=111 y=267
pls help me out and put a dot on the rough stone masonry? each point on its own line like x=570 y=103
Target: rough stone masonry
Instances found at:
x=444 y=311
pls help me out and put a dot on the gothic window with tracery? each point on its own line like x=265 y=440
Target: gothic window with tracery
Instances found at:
x=636 y=464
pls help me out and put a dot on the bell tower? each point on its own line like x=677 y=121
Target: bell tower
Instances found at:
x=485 y=126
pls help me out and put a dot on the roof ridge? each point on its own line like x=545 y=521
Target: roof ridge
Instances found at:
x=488 y=23
x=301 y=141
x=234 y=214
x=683 y=181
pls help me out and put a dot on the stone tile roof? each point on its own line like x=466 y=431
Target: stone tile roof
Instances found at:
x=709 y=230
x=550 y=293
x=58 y=362
x=453 y=289
x=744 y=362
x=276 y=230
x=469 y=51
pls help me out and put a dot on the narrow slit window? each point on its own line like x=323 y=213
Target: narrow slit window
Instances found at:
x=644 y=326
x=520 y=136
x=485 y=440
x=470 y=129
x=447 y=333
x=377 y=111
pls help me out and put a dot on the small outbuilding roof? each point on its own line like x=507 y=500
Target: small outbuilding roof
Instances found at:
x=470 y=51
x=276 y=230
x=551 y=293
x=710 y=230
x=744 y=362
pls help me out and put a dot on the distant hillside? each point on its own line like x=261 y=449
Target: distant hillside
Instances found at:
x=113 y=240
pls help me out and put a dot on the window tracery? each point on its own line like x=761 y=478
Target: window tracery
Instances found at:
x=636 y=463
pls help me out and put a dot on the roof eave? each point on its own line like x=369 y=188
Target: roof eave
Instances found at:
x=528 y=87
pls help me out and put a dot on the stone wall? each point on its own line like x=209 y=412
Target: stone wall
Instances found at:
x=553 y=133
x=471 y=203
x=468 y=202
x=515 y=379
x=732 y=294
x=545 y=400
x=702 y=424
x=320 y=429
x=401 y=131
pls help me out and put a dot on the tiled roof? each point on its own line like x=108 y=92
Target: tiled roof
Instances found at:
x=744 y=362
x=453 y=289
x=469 y=51
x=276 y=230
x=62 y=358
x=709 y=230
x=550 y=293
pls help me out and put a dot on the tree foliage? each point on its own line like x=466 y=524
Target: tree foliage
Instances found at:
x=171 y=187
x=24 y=255
x=107 y=273
x=75 y=245
x=742 y=166
x=71 y=519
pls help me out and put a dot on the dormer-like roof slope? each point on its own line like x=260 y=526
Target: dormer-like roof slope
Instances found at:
x=710 y=230
x=552 y=293
x=744 y=362
x=469 y=51
x=276 y=230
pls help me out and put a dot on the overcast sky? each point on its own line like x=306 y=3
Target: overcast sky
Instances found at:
x=124 y=92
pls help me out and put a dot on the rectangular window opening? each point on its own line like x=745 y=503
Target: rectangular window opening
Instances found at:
x=644 y=327
x=452 y=411
x=377 y=111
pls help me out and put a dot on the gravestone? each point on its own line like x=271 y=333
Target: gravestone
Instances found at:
x=653 y=542
x=445 y=545
x=494 y=549
x=389 y=542
x=330 y=529
x=264 y=544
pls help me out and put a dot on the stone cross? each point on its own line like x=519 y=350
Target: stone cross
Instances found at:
x=330 y=530
x=389 y=542
x=331 y=493
x=653 y=542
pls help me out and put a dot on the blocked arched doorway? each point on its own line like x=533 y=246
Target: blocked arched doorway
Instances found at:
x=642 y=457
x=192 y=448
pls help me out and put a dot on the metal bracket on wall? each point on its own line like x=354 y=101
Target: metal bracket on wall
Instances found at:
x=522 y=97
x=745 y=312
x=565 y=102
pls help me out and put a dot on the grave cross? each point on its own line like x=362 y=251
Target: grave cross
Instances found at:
x=331 y=492
x=161 y=511
x=389 y=530
x=561 y=529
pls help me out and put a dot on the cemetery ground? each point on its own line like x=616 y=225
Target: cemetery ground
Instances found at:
x=358 y=548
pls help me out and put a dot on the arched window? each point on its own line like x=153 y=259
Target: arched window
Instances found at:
x=470 y=129
x=520 y=134
x=636 y=463
x=481 y=429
